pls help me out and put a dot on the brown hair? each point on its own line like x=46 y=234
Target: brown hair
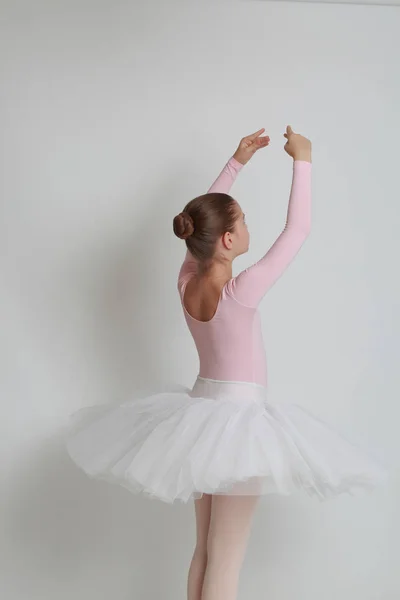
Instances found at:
x=203 y=220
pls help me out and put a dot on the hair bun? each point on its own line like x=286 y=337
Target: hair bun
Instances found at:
x=183 y=225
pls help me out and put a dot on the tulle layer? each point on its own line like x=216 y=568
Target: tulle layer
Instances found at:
x=218 y=438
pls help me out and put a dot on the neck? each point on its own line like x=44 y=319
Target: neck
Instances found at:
x=216 y=270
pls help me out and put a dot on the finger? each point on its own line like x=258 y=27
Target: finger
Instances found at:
x=255 y=135
x=289 y=130
x=260 y=142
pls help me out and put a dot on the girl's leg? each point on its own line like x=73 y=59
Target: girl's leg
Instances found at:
x=199 y=560
x=228 y=533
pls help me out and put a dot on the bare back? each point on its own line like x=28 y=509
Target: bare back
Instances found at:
x=202 y=296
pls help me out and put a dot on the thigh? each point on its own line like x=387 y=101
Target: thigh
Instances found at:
x=230 y=521
x=203 y=514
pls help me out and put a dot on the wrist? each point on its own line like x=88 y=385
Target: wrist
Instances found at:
x=304 y=155
x=239 y=159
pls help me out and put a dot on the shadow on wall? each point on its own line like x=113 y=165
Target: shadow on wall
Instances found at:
x=71 y=536
x=118 y=312
x=68 y=535
x=131 y=292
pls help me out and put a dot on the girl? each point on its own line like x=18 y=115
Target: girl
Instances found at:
x=223 y=443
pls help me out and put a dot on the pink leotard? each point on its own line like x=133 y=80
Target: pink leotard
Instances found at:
x=230 y=345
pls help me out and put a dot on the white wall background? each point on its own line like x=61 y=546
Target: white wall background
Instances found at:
x=113 y=116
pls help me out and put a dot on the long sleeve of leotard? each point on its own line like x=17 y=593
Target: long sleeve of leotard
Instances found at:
x=250 y=285
x=222 y=184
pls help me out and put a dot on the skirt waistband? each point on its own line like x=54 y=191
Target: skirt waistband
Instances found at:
x=251 y=383
x=239 y=392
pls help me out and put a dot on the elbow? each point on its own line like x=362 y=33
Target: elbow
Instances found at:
x=304 y=228
x=297 y=233
x=301 y=232
x=301 y=228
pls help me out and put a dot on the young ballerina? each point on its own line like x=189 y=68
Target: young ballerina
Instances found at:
x=223 y=443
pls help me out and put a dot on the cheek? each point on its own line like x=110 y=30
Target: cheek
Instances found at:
x=242 y=239
x=244 y=236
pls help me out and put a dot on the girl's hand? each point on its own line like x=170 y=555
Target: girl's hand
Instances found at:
x=297 y=146
x=249 y=145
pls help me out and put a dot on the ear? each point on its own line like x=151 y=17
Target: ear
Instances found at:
x=227 y=241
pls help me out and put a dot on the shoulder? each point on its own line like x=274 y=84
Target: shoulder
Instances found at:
x=183 y=280
x=231 y=292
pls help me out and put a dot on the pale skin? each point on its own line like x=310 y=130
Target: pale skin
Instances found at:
x=203 y=292
x=223 y=521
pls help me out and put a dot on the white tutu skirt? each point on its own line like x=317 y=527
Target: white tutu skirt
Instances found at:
x=218 y=438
